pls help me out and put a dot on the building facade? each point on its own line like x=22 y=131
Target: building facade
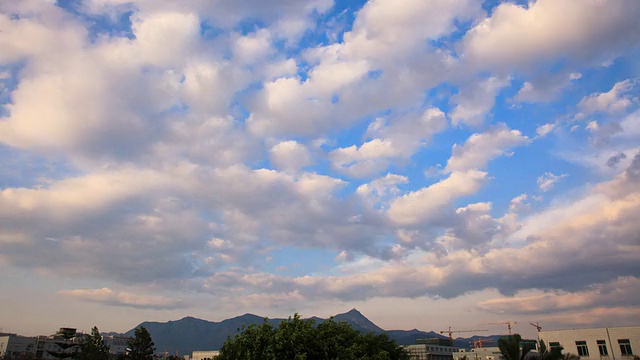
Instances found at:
x=117 y=344
x=479 y=353
x=204 y=355
x=431 y=349
x=12 y=344
x=612 y=343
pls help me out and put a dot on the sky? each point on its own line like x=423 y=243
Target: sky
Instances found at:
x=432 y=163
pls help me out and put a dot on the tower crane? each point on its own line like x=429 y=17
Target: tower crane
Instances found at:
x=537 y=326
x=450 y=332
x=508 y=323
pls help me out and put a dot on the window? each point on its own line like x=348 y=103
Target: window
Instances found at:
x=582 y=348
x=602 y=347
x=554 y=344
x=625 y=347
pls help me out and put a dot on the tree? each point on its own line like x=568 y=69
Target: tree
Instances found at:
x=571 y=356
x=554 y=353
x=510 y=347
x=93 y=347
x=141 y=347
x=298 y=339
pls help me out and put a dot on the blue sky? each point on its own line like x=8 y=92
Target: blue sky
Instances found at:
x=432 y=163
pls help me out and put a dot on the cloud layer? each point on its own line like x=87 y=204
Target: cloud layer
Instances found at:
x=161 y=156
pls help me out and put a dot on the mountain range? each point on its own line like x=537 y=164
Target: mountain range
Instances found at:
x=191 y=334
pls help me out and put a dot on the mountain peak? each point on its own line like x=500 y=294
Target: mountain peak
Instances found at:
x=358 y=321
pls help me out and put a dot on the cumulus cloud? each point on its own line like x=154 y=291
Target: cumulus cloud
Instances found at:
x=397 y=140
x=203 y=148
x=480 y=148
x=475 y=100
x=290 y=155
x=614 y=101
x=516 y=35
x=427 y=203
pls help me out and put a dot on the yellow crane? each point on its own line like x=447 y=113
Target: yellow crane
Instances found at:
x=537 y=326
x=508 y=323
x=450 y=332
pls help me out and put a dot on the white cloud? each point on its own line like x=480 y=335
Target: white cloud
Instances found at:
x=548 y=180
x=398 y=140
x=614 y=101
x=386 y=29
x=188 y=154
x=428 y=203
x=382 y=188
x=253 y=47
x=480 y=148
x=290 y=155
x=545 y=87
x=519 y=203
x=546 y=129
x=475 y=100
x=518 y=35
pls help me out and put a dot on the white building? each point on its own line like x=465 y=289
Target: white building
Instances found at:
x=117 y=344
x=613 y=343
x=430 y=349
x=479 y=353
x=204 y=355
x=11 y=344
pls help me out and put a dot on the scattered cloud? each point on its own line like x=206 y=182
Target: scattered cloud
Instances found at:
x=548 y=180
x=160 y=157
x=480 y=148
x=614 y=101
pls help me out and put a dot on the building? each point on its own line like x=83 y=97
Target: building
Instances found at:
x=204 y=355
x=431 y=349
x=117 y=344
x=479 y=353
x=613 y=343
x=47 y=344
x=12 y=344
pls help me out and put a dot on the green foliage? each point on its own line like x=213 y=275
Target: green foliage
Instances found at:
x=141 y=346
x=554 y=353
x=93 y=347
x=570 y=356
x=298 y=339
x=510 y=347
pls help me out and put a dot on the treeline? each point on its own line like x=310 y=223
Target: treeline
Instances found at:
x=298 y=339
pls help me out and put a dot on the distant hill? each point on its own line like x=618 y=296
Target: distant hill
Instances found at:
x=190 y=334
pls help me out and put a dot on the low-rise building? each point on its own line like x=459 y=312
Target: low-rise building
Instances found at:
x=12 y=344
x=431 y=349
x=117 y=344
x=610 y=343
x=479 y=353
x=204 y=355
